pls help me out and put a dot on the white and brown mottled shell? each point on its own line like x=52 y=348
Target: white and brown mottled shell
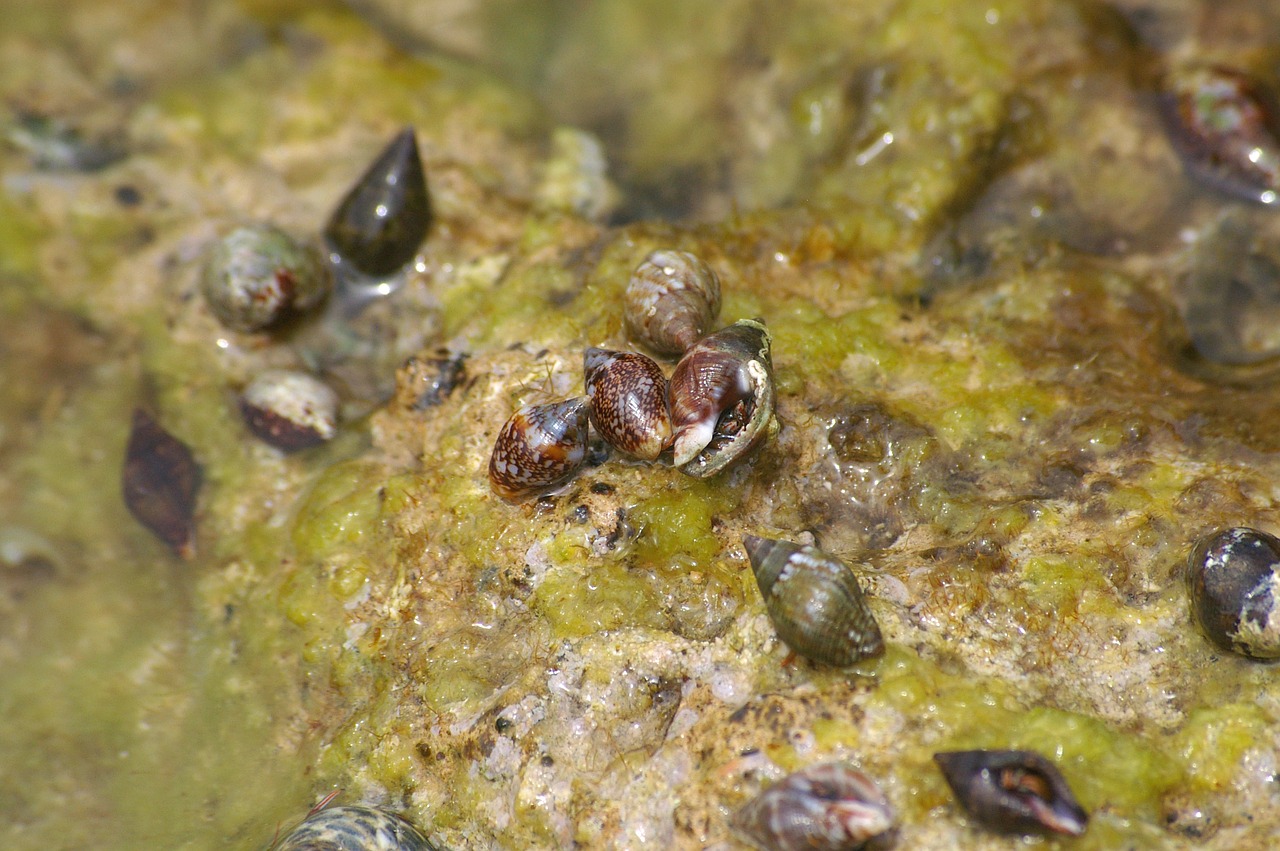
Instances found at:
x=722 y=398
x=540 y=447
x=671 y=301
x=825 y=807
x=354 y=829
x=628 y=401
x=814 y=602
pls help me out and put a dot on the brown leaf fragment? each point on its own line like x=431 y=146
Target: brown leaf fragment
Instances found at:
x=160 y=481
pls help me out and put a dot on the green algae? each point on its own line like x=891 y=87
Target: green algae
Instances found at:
x=1214 y=739
x=584 y=601
x=676 y=524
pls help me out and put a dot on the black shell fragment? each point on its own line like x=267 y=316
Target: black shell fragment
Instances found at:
x=160 y=480
x=384 y=217
x=1012 y=791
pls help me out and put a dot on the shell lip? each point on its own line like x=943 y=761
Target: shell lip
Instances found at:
x=1013 y=791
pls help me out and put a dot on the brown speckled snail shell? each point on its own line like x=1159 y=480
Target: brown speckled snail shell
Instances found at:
x=814 y=602
x=826 y=807
x=628 y=401
x=671 y=301
x=1013 y=791
x=354 y=829
x=722 y=398
x=538 y=448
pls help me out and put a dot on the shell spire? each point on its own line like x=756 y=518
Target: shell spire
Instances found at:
x=671 y=301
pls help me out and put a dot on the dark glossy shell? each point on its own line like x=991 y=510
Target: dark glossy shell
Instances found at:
x=1233 y=579
x=354 y=829
x=1225 y=126
x=1013 y=791
x=257 y=276
x=628 y=398
x=290 y=410
x=671 y=301
x=827 y=807
x=814 y=602
x=384 y=217
x=540 y=447
x=160 y=482
x=722 y=398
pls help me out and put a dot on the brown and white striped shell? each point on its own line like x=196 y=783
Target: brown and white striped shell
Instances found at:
x=540 y=447
x=814 y=602
x=628 y=401
x=825 y=807
x=722 y=398
x=671 y=301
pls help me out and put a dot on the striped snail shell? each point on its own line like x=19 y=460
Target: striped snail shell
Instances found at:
x=814 y=602
x=354 y=829
x=538 y=448
x=628 y=401
x=825 y=807
x=722 y=398
x=671 y=301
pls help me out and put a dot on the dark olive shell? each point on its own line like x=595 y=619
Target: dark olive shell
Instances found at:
x=628 y=400
x=1233 y=579
x=671 y=301
x=722 y=398
x=540 y=447
x=354 y=829
x=826 y=807
x=1225 y=126
x=379 y=225
x=814 y=601
x=1012 y=791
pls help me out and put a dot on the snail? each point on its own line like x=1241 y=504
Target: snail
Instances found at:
x=722 y=398
x=1233 y=580
x=354 y=829
x=257 y=276
x=538 y=448
x=671 y=301
x=290 y=410
x=814 y=602
x=628 y=401
x=825 y=807
x=1012 y=791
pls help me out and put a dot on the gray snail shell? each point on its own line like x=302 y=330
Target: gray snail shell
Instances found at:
x=722 y=398
x=1233 y=582
x=538 y=448
x=814 y=601
x=1013 y=791
x=826 y=807
x=671 y=301
x=257 y=276
x=354 y=829
x=628 y=401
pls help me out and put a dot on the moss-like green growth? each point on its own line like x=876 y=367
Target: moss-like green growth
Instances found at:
x=1213 y=741
x=583 y=601
x=675 y=524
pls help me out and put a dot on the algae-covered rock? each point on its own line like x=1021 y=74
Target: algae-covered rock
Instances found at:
x=1021 y=365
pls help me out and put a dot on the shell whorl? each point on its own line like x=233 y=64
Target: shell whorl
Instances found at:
x=628 y=401
x=671 y=300
x=722 y=398
x=539 y=447
x=814 y=601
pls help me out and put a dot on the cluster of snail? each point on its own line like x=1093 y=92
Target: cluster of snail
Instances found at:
x=716 y=408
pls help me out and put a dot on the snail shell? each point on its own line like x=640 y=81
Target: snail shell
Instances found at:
x=826 y=807
x=814 y=602
x=538 y=448
x=354 y=829
x=671 y=301
x=1013 y=791
x=1233 y=582
x=628 y=401
x=722 y=398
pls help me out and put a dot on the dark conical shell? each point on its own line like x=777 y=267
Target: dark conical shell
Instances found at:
x=814 y=602
x=538 y=448
x=825 y=807
x=671 y=301
x=354 y=829
x=722 y=398
x=160 y=482
x=1013 y=791
x=383 y=219
x=628 y=396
